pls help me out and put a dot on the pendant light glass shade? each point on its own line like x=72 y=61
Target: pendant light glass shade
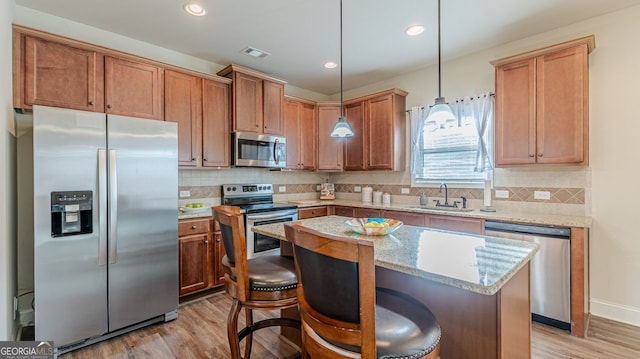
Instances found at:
x=341 y=128
x=440 y=112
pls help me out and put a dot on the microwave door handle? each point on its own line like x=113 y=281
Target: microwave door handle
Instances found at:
x=276 y=150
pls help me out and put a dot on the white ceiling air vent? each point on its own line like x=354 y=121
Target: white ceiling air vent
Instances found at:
x=252 y=51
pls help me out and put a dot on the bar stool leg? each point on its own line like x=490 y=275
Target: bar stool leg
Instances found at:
x=232 y=329
x=249 y=338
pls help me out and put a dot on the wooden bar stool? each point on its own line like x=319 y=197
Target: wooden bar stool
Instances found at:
x=343 y=314
x=262 y=283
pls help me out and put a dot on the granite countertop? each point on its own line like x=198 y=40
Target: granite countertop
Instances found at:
x=507 y=216
x=476 y=263
x=190 y=215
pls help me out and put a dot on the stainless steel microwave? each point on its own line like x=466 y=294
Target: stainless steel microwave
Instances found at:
x=257 y=150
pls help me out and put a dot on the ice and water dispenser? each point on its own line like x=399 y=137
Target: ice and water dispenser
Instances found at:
x=71 y=213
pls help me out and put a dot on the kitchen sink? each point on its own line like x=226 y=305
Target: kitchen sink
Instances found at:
x=444 y=209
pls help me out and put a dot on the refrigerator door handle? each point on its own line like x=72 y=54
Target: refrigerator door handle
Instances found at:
x=113 y=206
x=102 y=207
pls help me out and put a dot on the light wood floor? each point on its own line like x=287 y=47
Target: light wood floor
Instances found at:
x=200 y=332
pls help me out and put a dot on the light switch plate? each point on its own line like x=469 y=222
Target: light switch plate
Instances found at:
x=357 y=189
x=502 y=194
x=542 y=195
x=404 y=191
x=185 y=194
x=282 y=189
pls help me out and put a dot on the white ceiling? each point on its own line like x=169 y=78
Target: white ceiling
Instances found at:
x=303 y=34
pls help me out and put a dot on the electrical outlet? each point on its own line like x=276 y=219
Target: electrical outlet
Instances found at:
x=404 y=191
x=185 y=194
x=502 y=194
x=357 y=189
x=542 y=195
x=282 y=189
x=318 y=188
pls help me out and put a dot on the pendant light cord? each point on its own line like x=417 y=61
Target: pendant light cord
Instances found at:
x=439 y=76
x=341 y=103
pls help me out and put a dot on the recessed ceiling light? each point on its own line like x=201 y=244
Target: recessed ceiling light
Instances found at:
x=330 y=65
x=195 y=9
x=414 y=30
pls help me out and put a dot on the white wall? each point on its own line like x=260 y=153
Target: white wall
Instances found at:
x=7 y=222
x=612 y=193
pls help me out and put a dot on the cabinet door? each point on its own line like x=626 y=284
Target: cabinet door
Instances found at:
x=292 y=111
x=219 y=254
x=247 y=103
x=194 y=263
x=273 y=118
x=515 y=127
x=413 y=219
x=216 y=135
x=329 y=148
x=62 y=76
x=182 y=99
x=562 y=106
x=354 y=148
x=133 y=89
x=308 y=136
x=380 y=131
x=366 y=213
x=457 y=224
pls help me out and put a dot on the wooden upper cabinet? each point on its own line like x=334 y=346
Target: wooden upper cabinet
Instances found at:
x=542 y=104
x=52 y=74
x=133 y=89
x=299 y=130
x=330 y=155
x=182 y=104
x=216 y=119
x=258 y=101
x=379 y=125
x=273 y=99
x=354 y=147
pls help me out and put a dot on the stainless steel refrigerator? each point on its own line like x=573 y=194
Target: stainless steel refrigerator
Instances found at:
x=105 y=258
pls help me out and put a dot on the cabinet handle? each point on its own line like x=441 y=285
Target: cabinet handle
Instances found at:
x=531 y=155
x=109 y=106
x=194 y=227
x=206 y=241
x=539 y=154
x=193 y=159
x=257 y=125
x=204 y=159
x=90 y=103
x=218 y=240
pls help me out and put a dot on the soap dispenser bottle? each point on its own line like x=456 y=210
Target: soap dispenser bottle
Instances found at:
x=423 y=199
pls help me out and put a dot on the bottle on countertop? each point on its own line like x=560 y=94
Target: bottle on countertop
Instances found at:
x=423 y=199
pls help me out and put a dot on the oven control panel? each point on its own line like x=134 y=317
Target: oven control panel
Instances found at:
x=246 y=190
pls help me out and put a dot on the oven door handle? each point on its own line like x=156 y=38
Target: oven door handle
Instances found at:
x=255 y=217
x=276 y=150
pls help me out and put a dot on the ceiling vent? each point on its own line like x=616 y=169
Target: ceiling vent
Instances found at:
x=252 y=51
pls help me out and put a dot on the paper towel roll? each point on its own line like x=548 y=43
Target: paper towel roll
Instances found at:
x=487 y=193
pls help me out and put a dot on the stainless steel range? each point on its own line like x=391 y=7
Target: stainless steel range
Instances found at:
x=256 y=201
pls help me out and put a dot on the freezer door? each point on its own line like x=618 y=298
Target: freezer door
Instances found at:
x=143 y=228
x=70 y=276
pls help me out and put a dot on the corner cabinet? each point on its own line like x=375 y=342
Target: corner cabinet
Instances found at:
x=300 y=132
x=379 y=123
x=542 y=105
x=257 y=99
x=200 y=107
x=330 y=154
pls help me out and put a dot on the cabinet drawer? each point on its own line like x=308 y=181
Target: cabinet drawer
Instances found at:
x=366 y=212
x=193 y=226
x=343 y=211
x=312 y=212
x=458 y=224
x=413 y=219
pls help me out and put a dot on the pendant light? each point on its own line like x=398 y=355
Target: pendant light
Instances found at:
x=440 y=112
x=341 y=128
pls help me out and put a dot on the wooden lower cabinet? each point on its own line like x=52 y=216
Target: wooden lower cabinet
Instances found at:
x=343 y=211
x=458 y=224
x=312 y=212
x=200 y=255
x=412 y=219
x=366 y=212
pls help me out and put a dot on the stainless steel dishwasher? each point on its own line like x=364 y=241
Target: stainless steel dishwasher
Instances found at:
x=550 y=269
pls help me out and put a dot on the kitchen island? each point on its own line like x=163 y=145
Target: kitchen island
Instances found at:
x=477 y=286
